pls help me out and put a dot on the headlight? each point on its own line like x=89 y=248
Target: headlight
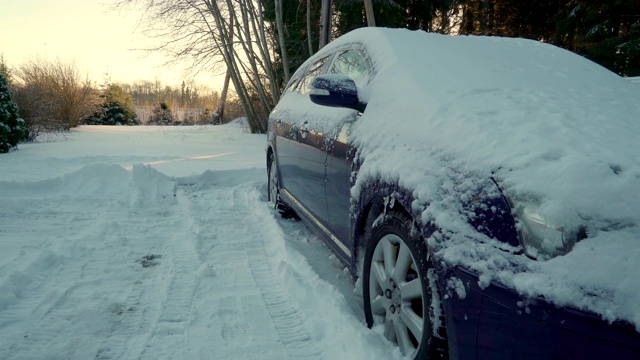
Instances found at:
x=541 y=239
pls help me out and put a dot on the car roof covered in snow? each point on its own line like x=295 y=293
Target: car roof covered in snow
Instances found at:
x=557 y=131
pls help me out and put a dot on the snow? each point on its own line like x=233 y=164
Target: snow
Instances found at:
x=556 y=131
x=158 y=243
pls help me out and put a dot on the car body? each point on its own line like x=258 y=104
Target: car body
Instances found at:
x=500 y=175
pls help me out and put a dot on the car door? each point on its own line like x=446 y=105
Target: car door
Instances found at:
x=316 y=124
x=338 y=184
x=286 y=135
x=299 y=142
x=354 y=63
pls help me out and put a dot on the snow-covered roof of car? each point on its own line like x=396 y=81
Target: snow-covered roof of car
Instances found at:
x=556 y=131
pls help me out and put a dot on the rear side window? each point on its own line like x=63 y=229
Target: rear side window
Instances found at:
x=354 y=64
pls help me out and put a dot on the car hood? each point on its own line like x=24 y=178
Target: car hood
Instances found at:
x=557 y=132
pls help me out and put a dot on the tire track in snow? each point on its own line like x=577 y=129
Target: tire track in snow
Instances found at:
x=254 y=311
x=215 y=293
x=83 y=293
x=28 y=285
x=133 y=313
x=168 y=335
x=284 y=312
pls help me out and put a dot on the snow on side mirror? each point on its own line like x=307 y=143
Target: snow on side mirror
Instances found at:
x=335 y=90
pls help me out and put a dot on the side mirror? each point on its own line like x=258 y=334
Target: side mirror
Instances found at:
x=335 y=90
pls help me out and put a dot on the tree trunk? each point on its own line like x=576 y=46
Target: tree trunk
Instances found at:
x=325 y=24
x=225 y=86
x=218 y=116
x=310 y=43
x=368 y=7
x=283 y=45
x=258 y=27
x=232 y=65
x=247 y=43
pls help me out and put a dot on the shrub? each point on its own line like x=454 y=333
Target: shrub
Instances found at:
x=52 y=96
x=116 y=110
x=11 y=126
x=112 y=113
x=162 y=115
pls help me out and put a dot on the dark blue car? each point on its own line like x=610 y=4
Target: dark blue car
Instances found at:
x=482 y=191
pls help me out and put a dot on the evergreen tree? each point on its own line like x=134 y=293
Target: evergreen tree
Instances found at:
x=12 y=128
x=117 y=109
x=162 y=115
x=4 y=69
x=606 y=32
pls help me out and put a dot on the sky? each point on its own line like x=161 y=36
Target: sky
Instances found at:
x=97 y=38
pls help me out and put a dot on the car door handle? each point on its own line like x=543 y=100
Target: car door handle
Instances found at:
x=304 y=131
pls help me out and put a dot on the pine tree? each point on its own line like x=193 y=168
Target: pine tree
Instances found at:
x=607 y=32
x=162 y=115
x=12 y=128
x=4 y=69
x=117 y=109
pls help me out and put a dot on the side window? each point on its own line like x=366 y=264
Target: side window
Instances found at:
x=354 y=64
x=292 y=83
x=315 y=69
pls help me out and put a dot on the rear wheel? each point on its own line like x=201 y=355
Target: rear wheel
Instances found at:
x=272 y=185
x=397 y=294
x=273 y=190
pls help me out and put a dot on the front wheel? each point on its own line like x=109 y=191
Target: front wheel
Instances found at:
x=397 y=294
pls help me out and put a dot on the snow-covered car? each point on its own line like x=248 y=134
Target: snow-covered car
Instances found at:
x=483 y=192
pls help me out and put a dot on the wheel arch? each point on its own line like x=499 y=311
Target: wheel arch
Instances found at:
x=269 y=152
x=498 y=222
x=374 y=200
x=398 y=204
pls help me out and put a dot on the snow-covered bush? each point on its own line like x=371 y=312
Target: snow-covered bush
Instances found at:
x=116 y=109
x=11 y=126
x=161 y=115
x=112 y=113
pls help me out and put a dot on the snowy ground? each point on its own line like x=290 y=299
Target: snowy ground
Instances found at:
x=157 y=243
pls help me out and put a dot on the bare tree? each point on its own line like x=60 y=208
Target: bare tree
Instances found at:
x=215 y=32
x=53 y=95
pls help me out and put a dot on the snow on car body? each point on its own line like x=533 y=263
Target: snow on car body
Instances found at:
x=510 y=171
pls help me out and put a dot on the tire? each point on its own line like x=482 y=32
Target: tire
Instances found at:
x=396 y=289
x=273 y=190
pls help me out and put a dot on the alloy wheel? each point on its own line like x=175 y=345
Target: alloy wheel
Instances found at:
x=396 y=294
